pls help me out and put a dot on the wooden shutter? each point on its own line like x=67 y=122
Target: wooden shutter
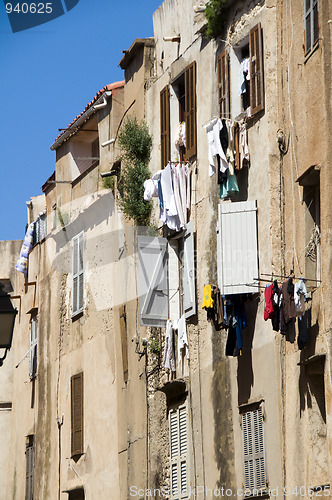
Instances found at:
x=237 y=249
x=188 y=275
x=178 y=424
x=165 y=136
x=33 y=347
x=223 y=84
x=78 y=272
x=256 y=69
x=253 y=450
x=77 y=414
x=29 y=471
x=190 y=109
x=153 y=280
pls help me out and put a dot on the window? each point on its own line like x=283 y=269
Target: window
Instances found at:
x=78 y=273
x=178 y=431
x=166 y=275
x=39 y=229
x=223 y=84
x=33 y=347
x=165 y=135
x=310 y=25
x=54 y=216
x=253 y=451
x=77 y=414
x=237 y=251
x=29 y=468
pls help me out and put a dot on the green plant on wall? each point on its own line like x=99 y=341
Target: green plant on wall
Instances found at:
x=216 y=14
x=135 y=142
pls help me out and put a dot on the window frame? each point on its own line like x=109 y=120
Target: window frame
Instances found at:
x=77 y=414
x=309 y=14
x=78 y=274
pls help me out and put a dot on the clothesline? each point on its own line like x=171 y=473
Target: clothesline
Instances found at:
x=222 y=118
x=291 y=275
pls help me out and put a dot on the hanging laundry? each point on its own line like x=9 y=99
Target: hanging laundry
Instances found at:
x=269 y=308
x=276 y=306
x=230 y=148
x=244 y=74
x=213 y=130
x=237 y=320
x=180 y=174
x=224 y=136
x=208 y=301
x=244 y=145
x=180 y=326
x=181 y=141
x=169 y=213
x=229 y=187
x=150 y=189
x=287 y=311
x=303 y=336
x=169 y=358
x=23 y=260
x=300 y=292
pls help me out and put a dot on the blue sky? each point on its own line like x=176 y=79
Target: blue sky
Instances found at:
x=47 y=76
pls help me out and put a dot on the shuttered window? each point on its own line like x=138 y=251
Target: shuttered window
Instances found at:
x=124 y=343
x=178 y=425
x=237 y=251
x=39 y=229
x=33 y=347
x=78 y=272
x=156 y=287
x=253 y=451
x=77 y=414
x=311 y=24
x=165 y=136
x=223 y=84
x=190 y=109
x=256 y=69
x=30 y=468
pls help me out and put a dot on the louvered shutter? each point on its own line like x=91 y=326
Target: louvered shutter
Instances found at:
x=153 y=280
x=78 y=273
x=223 y=84
x=256 y=69
x=29 y=473
x=190 y=109
x=165 y=136
x=33 y=347
x=253 y=450
x=188 y=275
x=178 y=422
x=77 y=414
x=237 y=250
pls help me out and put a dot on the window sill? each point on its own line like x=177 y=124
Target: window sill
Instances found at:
x=76 y=316
x=311 y=52
x=263 y=494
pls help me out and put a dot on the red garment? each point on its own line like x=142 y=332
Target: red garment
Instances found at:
x=269 y=310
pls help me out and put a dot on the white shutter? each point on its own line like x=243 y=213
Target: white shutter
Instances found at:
x=237 y=247
x=178 y=423
x=188 y=276
x=33 y=347
x=253 y=450
x=152 y=280
x=78 y=272
x=29 y=474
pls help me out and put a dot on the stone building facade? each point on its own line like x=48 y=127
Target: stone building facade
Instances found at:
x=103 y=417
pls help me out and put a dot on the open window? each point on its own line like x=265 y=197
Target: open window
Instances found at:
x=178 y=118
x=166 y=278
x=237 y=250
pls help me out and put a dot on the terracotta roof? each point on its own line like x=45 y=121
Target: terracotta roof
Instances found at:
x=107 y=88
